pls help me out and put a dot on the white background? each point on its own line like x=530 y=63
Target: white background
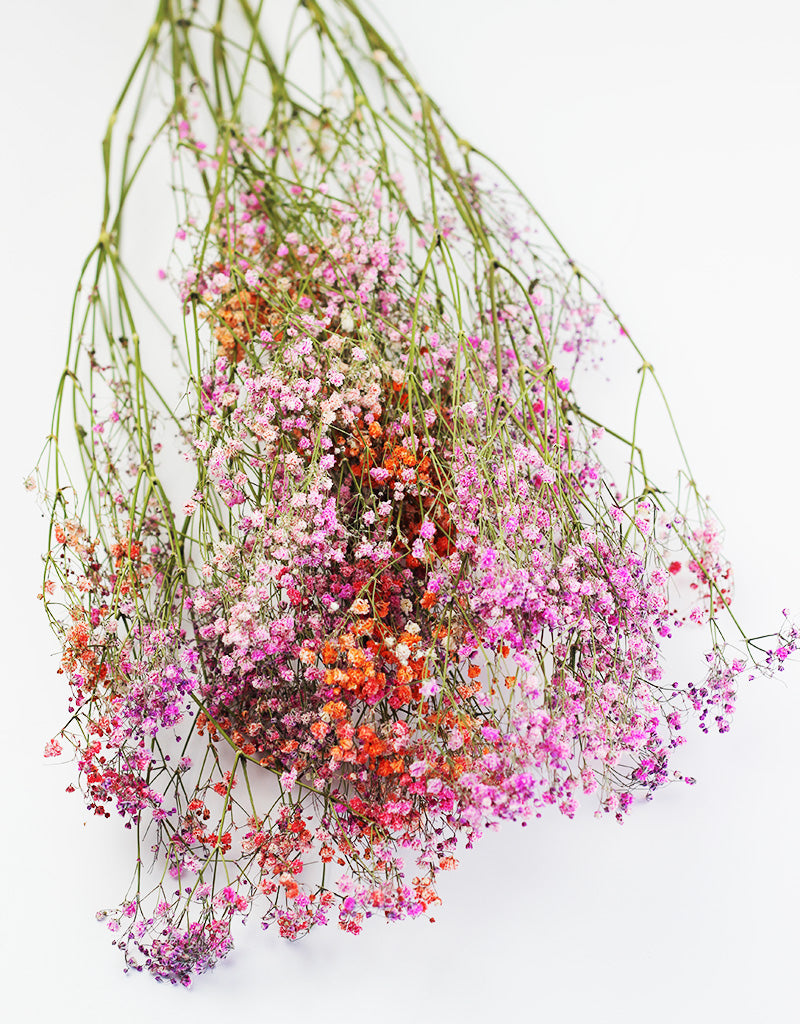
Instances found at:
x=661 y=141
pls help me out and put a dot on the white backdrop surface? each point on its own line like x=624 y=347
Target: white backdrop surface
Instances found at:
x=662 y=144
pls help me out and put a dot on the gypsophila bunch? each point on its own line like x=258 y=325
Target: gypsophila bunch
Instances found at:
x=348 y=580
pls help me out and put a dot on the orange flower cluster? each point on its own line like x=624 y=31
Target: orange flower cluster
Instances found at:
x=371 y=447
x=357 y=672
x=241 y=318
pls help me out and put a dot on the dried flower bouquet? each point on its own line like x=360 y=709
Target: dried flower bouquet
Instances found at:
x=345 y=581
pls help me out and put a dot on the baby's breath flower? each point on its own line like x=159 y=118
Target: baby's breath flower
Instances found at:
x=404 y=584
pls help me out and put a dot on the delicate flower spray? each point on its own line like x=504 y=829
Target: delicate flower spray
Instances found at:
x=346 y=582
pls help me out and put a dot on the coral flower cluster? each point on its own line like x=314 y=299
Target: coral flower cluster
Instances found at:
x=350 y=582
